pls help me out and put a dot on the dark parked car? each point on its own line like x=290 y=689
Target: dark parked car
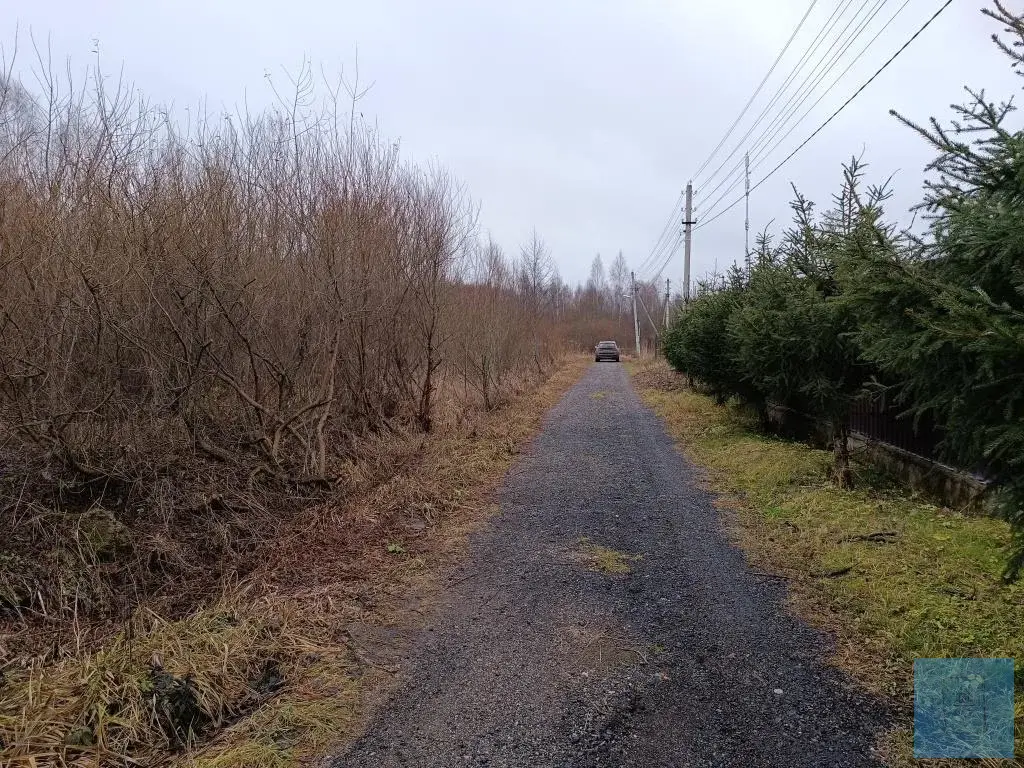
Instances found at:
x=606 y=350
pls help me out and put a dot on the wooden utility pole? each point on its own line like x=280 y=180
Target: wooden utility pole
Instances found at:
x=688 y=237
x=636 y=320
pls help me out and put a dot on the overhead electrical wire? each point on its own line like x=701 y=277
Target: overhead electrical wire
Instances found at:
x=757 y=91
x=797 y=99
x=790 y=108
x=761 y=151
x=856 y=93
x=660 y=246
x=820 y=69
x=831 y=117
x=660 y=243
x=664 y=254
x=782 y=120
x=822 y=34
x=668 y=258
x=765 y=155
x=663 y=239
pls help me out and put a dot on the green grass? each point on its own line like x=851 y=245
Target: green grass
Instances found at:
x=604 y=560
x=926 y=585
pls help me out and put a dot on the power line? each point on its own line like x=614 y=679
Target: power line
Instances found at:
x=831 y=117
x=846 y=103
x=665 y=252
x=825 y=30
x=819 y=70
x=833 y=62
x=807 y=88
x=668 y=258
x=754 y=95
x=832 y=84
x=661 y=242
x=722 y=212
x=823 y=36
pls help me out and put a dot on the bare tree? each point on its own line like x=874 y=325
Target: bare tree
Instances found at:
x=232 y=309
x=619 y=283
x=536 y=269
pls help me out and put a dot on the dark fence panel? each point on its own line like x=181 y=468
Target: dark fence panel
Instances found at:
x=879 y=419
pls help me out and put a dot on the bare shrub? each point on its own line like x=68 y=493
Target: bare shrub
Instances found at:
x=205 y=331
x=200 y=327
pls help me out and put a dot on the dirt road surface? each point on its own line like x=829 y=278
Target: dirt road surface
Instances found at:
x=604 y=619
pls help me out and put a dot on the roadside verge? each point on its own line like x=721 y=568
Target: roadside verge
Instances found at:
x=280 y=667
x=889 y=575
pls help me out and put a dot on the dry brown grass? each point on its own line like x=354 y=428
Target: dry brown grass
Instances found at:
x=416 y=526
x=273 y=671
x=604 y=560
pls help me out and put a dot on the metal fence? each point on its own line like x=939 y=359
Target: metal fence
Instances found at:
x=877 y=418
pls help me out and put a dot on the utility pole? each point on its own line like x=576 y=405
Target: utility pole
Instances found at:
x=636 y=320
x=688 y=236
x=746 y=223
x=668 y=295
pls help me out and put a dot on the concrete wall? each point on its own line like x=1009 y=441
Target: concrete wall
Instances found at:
x=946 y=485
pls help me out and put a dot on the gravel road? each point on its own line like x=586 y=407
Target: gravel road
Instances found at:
x=538 y=658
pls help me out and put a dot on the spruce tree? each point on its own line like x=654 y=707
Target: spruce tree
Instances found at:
x=697 y=344
x=945 y=316
x=791 y=337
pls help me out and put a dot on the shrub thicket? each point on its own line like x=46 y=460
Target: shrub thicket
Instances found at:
x=202 y=330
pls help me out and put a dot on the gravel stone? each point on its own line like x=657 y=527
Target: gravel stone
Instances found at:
x=533 y=659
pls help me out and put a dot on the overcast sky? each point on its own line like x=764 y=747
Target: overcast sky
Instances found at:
x=582 y=118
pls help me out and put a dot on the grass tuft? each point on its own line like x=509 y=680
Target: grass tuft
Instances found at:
x=605 y=560
x=156 y=687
